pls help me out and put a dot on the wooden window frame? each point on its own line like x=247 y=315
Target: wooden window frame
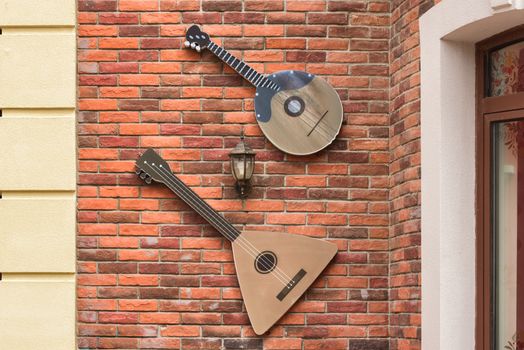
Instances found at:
x=488 y=111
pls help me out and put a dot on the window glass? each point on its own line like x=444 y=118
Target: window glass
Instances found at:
x=507 y=70
x=508 y=234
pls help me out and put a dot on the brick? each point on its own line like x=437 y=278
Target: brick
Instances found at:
x=163 y=43
x=306 y=5
x=97 y=5
x=180 y=331
x=285 y=18
x=118 y=18
x=160 y=18
x=97 y=30
x=133 y=5
x=327 y=18
x=285 y=43
x=201 y=18
x=243 y=17
x=139 y=31
x=264 y=30
x=259 y=5
x=138 y=105
x=118 y=43
x=346 y=5
x=306 y=31
x=97 y=330
x=364 y=344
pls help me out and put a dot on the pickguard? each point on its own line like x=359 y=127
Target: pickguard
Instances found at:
x=286 y=80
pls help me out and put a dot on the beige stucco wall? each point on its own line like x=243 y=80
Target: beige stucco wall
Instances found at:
x=37 y=186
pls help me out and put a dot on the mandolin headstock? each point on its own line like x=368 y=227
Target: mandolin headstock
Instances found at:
x=150 y=166
x=196 y=39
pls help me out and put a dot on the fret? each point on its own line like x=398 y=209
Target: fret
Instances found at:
x=235 y=65
x=241 y=69
x=253 y=73
x=257 y=80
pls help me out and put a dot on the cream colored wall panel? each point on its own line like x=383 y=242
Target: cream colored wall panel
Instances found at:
x=37 y=13
x=38 y=71
x=37 y=153
x=37 y=314
x=37 y=235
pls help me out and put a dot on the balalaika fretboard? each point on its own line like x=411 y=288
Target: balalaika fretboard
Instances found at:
x=150 y=164
x=202 y=208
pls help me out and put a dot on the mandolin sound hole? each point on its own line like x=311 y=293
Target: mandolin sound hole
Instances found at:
x=294 y=106
x=266 y=262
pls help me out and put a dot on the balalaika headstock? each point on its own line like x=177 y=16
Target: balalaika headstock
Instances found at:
x=196 y=39
x=150 y=166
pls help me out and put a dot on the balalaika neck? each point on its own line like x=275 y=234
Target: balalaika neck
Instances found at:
x=200 y=206
x=242 y=68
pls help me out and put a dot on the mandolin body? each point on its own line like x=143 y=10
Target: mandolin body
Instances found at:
x=266 y=295
x=303 y=116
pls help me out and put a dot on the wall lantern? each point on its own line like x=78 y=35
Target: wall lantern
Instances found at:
x=242 y=159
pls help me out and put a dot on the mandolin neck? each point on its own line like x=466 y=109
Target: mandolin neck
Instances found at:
x=242 y=68
x=199 y=205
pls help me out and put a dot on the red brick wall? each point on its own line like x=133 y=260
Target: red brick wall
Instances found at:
x=151 y=273
x=405 y=292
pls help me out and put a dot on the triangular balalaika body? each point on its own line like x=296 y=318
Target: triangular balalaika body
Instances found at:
x=294 y=262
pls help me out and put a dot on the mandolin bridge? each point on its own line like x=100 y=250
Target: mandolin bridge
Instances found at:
x=291 y=284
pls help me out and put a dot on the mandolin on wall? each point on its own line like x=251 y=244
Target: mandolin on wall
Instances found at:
x=298 y=112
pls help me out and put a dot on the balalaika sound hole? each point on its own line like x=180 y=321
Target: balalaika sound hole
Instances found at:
x=266 y=262
x=294 y=106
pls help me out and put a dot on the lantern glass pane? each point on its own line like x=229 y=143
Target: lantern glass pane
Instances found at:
x=250 y=167
x=237 y=167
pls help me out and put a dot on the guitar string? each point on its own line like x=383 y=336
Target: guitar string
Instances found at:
x=209 y=210
x=281 y=275
x=241 y=239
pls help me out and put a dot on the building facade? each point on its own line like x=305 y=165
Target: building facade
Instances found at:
x=419 y=191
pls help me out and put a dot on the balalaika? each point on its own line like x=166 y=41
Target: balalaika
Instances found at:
x=297 y=111
x=273 y=268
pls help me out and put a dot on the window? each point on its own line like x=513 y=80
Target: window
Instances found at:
x=500 y=192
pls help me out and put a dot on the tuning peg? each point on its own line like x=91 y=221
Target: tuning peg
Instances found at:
x=138 y=171
x=198 y=49
x=148 y=180
x=187 y=44
x=143 y=176
x=193 y=45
